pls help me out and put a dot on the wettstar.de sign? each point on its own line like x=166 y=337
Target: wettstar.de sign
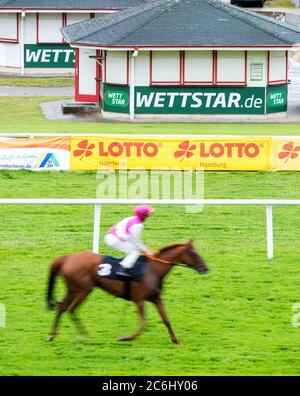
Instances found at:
x=200 y=100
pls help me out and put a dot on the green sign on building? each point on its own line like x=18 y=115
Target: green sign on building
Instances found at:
x=48 y=56
x=196 y=100
x=200 y=100
x=115 y=98
x=277 y=99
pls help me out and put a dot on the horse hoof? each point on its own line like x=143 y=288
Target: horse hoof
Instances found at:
x=50 y=338
x=176 y=341
x=124 y=338
x=84 y=340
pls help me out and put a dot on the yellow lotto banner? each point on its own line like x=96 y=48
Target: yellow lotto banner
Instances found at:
x=286 y=154
x=175 y=152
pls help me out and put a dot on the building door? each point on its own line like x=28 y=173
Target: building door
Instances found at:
x=87 y=74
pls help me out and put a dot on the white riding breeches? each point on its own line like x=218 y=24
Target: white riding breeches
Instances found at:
x=132 y=252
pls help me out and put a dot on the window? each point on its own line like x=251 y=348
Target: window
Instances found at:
x=48 y=28
x=117 y=67
x=277 y=67
x=74 y=18
x=165 y=67
x=9 y=27
x=231 y=67
x=198 y=67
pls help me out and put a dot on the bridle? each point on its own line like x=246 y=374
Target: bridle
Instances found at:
x=162 y=261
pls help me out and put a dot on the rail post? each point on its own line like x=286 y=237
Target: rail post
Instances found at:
x=270 y=243
x=96 y=234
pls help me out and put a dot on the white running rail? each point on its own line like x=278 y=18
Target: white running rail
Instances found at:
x=268 y=203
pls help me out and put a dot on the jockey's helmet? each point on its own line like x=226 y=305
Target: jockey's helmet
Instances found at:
x=143 y=210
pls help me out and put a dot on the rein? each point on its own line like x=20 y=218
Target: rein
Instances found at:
x=162 y=261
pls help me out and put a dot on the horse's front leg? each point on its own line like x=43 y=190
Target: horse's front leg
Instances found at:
x=159 y=305
x=141 y=313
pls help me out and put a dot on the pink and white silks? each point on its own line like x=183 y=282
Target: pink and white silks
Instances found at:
x=125 y=237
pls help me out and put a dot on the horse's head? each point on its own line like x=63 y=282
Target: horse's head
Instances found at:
x=192 y=258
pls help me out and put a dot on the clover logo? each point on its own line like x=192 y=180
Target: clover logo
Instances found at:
x=186 y=150
x=85 y=150
x=290 y=151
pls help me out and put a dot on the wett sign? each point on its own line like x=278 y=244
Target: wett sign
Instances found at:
x=48 y=56
x=277 y=98
x=116 y=98
x=194 y=100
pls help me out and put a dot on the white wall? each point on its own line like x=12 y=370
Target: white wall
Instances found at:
x=198 y=67
x=49 y=25
x=257 y=68
x=30 y=29
x=142 y=67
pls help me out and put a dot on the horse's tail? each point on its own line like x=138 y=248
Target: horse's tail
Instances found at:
x=54 y=270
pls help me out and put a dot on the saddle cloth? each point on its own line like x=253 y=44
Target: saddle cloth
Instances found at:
x=110 y=265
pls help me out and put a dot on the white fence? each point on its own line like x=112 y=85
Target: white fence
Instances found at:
x=268 y=203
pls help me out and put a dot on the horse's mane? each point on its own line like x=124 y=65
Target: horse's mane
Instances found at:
x=166 y=248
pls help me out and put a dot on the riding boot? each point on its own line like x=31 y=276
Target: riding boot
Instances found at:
x=122 y=271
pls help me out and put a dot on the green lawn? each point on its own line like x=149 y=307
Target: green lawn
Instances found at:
x=37 y=82
x=23 y=114
x=235 y=320
x=279 y=4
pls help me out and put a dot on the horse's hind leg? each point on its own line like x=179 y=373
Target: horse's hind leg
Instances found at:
x=159 y=304
x=78 y=300
x=141 y=312
x=62 y=307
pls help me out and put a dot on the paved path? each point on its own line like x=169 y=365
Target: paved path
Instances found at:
x=53 y=111
x=36 y=91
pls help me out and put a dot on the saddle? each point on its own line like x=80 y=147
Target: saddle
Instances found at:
x=111 y=265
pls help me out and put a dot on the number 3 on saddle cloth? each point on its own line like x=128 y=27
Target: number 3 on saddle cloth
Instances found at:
x=110 y=265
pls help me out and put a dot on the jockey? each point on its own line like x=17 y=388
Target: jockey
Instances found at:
x=125 y=236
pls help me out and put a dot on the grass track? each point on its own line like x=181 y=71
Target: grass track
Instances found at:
x=37 y=82
x=235 y=320
x=24 y=115
x=279 y=4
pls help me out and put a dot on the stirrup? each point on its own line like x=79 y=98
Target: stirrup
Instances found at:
x=123 y=272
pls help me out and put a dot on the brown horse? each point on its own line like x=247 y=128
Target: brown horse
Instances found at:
x=80 y=273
